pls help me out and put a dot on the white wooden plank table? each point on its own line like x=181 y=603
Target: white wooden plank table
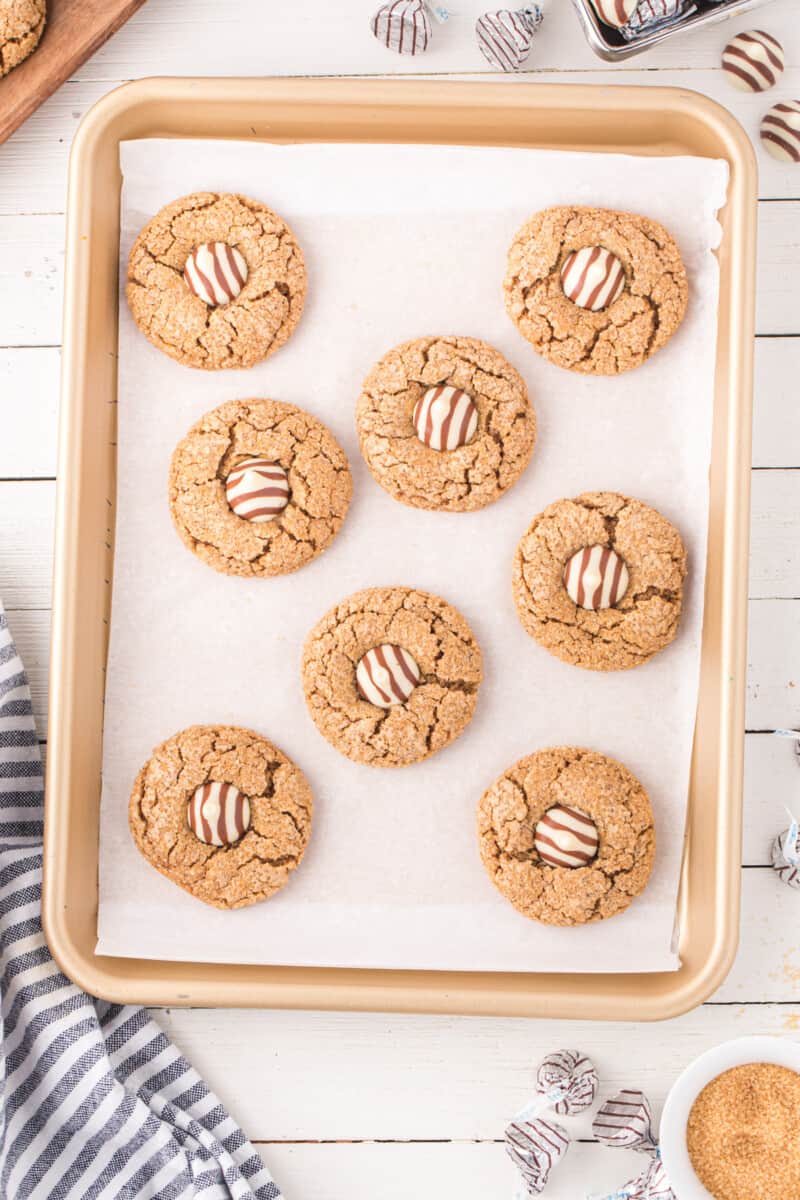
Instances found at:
x=356 y=1105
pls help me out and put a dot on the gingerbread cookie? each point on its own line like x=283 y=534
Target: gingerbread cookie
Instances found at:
x=445 y=423
x=598 y=581
x=595 y=290
x=258 y=487
x=223 y=813
x=391 y=675
x=21 y=27
x=216 y=280
x=567 y=836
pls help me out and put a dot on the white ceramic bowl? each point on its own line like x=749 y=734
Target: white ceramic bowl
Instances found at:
x=687 y=1087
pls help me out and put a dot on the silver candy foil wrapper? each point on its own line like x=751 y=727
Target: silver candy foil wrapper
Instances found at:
x=505 y=37
x=655 y=14
x=535 y=1146
x=568 y=1080
x=625 y=1121
x=403 y=26
x=786 y=855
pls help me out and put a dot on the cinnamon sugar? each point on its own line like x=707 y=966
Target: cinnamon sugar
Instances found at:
x=743 y=1133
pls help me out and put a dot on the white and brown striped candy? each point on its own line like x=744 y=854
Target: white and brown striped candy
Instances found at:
x=257 y=490
x=592 y=277
x=753 y=61
x=387 y=675
x=566 y=837
x=218 y=814
x=596 y=577
x=780 y=131
x=445 y=418
x=615 y=12
x=216 y=272
x=403 y=26
x=505 y=37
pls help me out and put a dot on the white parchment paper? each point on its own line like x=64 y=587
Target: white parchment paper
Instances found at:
x=402 y=241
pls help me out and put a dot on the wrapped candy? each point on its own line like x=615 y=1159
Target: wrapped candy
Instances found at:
x=786 y=847
x=505 y=36
x=405 y=25
x=535 y=1146
x=566 y=1081
x=786 y=854
x=625 y=1121
x=653 y=14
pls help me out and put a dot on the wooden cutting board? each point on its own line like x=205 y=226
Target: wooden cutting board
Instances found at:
x=74 y=30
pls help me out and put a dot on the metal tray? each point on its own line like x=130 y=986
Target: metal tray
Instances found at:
x=647 y=121
x=608 y=43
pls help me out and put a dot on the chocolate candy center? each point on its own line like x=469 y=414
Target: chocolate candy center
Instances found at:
x=216 y=272
x=596 y=577
x=386 y=675
x=257 y=490
x=218 y=814
x=566 y=837
x=592 y=277
x=445 y=418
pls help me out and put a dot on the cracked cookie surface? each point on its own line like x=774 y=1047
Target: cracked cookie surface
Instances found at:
x=649 y=309
x=247 y=329
x=643 y=622
x=442 y=702
x=605 y=791
x=319 y=482
x=261 y=862
x=460 y=480
x=21 y=27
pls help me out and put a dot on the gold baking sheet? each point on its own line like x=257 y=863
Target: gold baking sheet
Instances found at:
x=655 y=121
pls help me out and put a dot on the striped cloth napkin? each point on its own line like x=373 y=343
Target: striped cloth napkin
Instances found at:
x=95 y=1102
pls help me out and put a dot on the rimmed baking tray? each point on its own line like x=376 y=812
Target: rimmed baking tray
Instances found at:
x=648 y=121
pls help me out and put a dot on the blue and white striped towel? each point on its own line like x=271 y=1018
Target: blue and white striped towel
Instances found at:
x=95 y=1102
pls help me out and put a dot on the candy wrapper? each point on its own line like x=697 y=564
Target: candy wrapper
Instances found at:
x=786 y=854
x=405 y=25
x=566 y=1081
x=535 y=1147
x=786 y=847
x=654 y=14
x=505 y=37
x=625 y=1121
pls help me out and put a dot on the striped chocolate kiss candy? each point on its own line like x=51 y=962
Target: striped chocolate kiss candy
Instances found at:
x=566 y=837
x=535 y=1146
x=615 y=12
x=596 y=577
x=505 y=37
x=218 y=814
x=445 y=418
x=592 y=277
x=216 y=272
x=402 y=26
x=753 y=61
x=780 y=131
x=257 y=490
x=387 y=675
